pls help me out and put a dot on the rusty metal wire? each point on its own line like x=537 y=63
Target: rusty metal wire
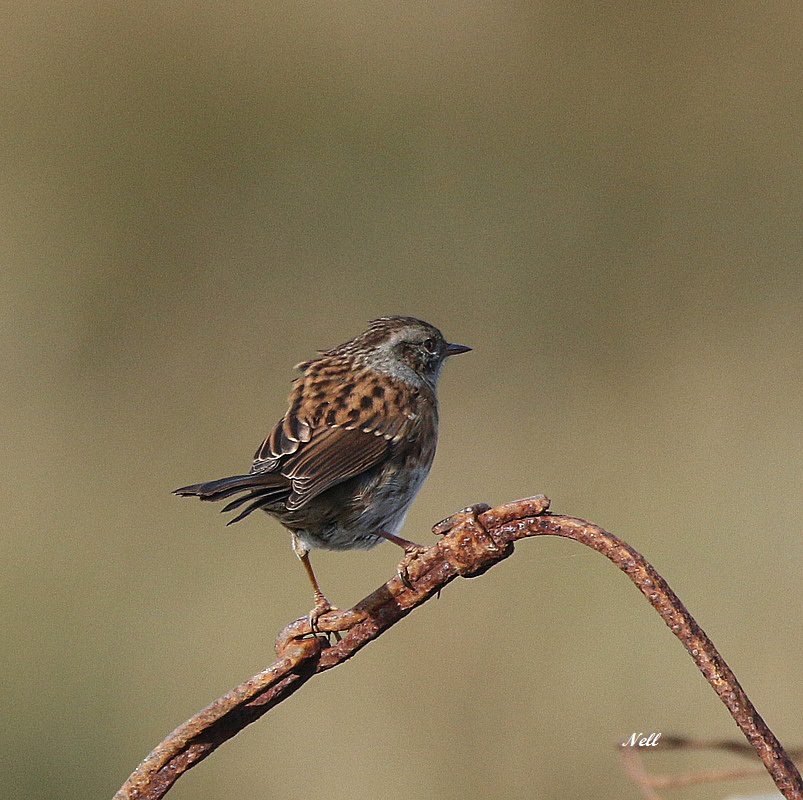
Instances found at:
x=473 y=540
x=633 y=763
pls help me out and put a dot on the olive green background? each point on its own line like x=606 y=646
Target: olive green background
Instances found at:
x=603 y=199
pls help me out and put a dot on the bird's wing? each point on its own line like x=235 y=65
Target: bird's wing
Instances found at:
x=327 y=438
x=332 y=455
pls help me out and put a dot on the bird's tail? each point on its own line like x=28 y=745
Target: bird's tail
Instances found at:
x=219 y=489
x=261 y=488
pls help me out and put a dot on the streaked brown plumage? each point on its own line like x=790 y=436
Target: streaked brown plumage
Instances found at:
x=343 y=465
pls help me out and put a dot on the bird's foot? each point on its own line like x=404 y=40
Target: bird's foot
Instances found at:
x=322 y=606
x=333 y=623
x=412 y=551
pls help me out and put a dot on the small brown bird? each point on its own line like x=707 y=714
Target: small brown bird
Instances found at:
x=343 y=465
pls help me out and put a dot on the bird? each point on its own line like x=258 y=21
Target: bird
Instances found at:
x=341 y=468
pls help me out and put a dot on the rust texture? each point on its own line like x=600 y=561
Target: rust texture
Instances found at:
x=471 y=542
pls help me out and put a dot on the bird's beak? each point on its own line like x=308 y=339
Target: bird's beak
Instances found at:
x=456 y=349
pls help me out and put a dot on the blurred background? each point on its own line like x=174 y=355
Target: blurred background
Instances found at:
x=604 y=200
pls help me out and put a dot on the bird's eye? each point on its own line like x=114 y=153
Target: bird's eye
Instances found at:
x=430 y=345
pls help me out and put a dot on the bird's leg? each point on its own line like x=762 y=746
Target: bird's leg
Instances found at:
x=322 y=605
x=411 y=552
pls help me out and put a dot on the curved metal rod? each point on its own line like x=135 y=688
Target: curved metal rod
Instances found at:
x=473 y=540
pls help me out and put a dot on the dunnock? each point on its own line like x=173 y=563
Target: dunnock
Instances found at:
x=343 y=465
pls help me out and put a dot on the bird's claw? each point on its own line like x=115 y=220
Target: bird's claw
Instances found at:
x=322 y=606
x=411 y=553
